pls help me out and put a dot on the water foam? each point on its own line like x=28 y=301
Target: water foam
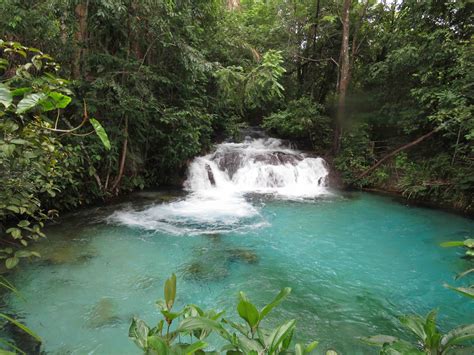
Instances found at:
x=219 y=182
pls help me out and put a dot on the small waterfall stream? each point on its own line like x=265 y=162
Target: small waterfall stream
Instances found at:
x=262 y=165
x=219 y=183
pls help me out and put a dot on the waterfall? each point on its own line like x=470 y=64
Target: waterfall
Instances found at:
x=219 y=183
x=262 y=165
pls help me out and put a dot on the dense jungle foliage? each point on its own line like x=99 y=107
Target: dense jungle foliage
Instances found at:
x=381 y=89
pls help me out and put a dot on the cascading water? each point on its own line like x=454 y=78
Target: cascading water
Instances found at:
x=220 y=182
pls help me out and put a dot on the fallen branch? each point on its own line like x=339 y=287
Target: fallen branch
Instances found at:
x=398 y=150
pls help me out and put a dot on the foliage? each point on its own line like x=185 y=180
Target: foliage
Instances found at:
x=250 y=338
x=431 y=341
x=6 y=344
x=254 y=87
x=301 y=120
x=356 y=155
x=468 y=243
x=35 y=164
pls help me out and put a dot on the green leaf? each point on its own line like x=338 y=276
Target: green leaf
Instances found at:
x=15 y=232
x=465 y=291
x=457 y=243
x=170 y=291
x=101 y=133
x=158 y=345
x=28 y=102
x=248 y=312
x=198 y=323
x=10 y=263
x=469 y=243
x=401 y=347
x=191 y=349
x=378 y=340
x=55 y=100
x=415 y=324
x=21 y=326
x=280 y=334
x=462 y=274
x=6 y=97
x=20 y=91
x=138 y=331
x=23 y=223
x=276 y=301
x=458 y=335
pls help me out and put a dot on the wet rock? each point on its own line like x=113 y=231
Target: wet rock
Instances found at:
x=228 y=161
x=278 y=158
x=103 y=314
x=210 y=175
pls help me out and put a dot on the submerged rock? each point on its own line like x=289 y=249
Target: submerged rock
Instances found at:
x=144 y=282
x=243 y=255
x=65 y=253
x=228 y=161
x=204 y=271
x=103 y=314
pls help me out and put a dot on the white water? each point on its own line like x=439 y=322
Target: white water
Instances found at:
x=218 y=184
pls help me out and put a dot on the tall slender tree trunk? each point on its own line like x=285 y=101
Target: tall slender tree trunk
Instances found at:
x=123 y=158
x=344 y=77
x=80 y=37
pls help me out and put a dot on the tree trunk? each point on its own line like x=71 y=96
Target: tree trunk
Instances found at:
x=80 y=37
x=123 y=158
x=233 y=4
x=343 y=77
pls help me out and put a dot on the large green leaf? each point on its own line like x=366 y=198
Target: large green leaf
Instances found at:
x=248 y=312
x=170 y=291
x=29 y=101
x=157 y=344
x=458 y=335
x=138 y=331
x=280 y=334
x=197 y=323
x=416 y=324
x=101 y=133
x=6 y=97
x=283 y=293
x=55 y=100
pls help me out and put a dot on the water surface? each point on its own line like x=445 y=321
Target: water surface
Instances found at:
x=354 y=263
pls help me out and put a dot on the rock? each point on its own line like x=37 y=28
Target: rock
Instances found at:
x=103 y=314
x=210 y=175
